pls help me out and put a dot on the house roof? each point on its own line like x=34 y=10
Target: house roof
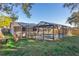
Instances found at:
x=43 y=23
x=27 y=25
x=15 y=24
x=22 y=24
x=40 y=24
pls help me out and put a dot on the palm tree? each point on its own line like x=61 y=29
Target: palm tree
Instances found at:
x=74 y=19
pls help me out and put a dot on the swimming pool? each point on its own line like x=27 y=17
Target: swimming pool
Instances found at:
x=49 y=36
x=55 y=36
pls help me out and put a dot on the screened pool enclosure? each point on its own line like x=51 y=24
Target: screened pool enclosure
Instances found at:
x=46 y=31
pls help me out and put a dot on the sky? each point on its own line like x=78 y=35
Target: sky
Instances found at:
x=49 y=12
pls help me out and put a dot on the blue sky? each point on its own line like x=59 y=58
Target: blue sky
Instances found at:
x=50 y=12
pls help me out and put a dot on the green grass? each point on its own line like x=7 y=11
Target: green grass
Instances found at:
x=68 y=46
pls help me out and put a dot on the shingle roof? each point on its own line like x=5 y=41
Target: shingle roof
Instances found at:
x=30 y=25
x=43 y=23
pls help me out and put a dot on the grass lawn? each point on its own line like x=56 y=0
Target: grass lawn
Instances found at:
x=27 y=47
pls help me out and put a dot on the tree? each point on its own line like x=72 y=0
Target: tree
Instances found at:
x=72 y=6
x=14 y=17
x=74 y=19
x=9 y=8
x=5 y=21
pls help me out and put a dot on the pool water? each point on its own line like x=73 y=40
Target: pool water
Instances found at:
x=55 y=36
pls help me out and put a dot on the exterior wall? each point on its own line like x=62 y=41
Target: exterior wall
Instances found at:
x=17 y=29
x=75 y=32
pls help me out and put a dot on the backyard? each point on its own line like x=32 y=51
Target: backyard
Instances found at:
x=47 y=30
x=30 y=47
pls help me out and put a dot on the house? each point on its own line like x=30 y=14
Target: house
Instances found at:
x=42 y=30
x=21 y=29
